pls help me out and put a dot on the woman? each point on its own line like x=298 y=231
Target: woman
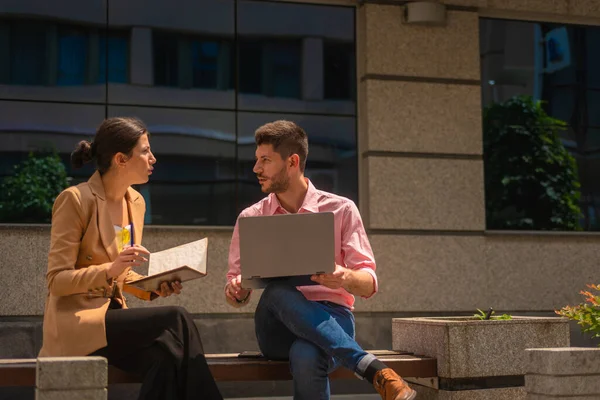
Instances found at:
x=95 y=242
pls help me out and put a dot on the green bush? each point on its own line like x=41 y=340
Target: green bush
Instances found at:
x=586 y=314
x=28 y=195
x=531 y=180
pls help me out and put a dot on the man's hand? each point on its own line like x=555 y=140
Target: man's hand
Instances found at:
x=234 y=291
x=359 y=283
x=335 y=280
x=167 y=289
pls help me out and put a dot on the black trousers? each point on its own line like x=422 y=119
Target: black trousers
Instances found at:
x=163 y=345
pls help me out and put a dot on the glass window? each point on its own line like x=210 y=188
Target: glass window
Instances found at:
x=52 y=53
x=208 y=61
x=72 y=56
x=29 y=53
x=251 y=56
x=205 y=63
x=114 y=55
x=540 y=85
x=201 y=84
x=283 y=69
x=338 y=66
x=44 y=128
x=180 y=56
x=195 y=152
x=166 y=59
x=287 y=66
x=271 y=68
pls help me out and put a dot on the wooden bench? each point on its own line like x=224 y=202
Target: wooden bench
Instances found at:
x=232 y=368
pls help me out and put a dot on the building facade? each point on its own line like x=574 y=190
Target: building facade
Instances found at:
x=393 y=111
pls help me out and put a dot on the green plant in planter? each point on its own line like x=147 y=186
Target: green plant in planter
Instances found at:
x=482 y=315
x=28 y=195
x=586 y=314
x=531 y=180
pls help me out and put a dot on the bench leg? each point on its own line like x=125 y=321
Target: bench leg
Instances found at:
x=71 y=378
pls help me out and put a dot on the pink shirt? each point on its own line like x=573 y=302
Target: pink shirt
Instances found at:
x=352 y=247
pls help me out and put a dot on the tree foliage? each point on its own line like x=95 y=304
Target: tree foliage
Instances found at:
x=29 y=194
x=531 y=180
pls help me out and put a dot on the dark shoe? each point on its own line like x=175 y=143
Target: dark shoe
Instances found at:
x=390 y=386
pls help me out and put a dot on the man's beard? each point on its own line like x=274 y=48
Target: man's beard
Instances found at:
x=279 y=183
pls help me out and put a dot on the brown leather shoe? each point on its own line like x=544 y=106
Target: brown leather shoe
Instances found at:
x=390 y=386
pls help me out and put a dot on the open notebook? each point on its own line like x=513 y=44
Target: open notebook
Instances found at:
x=181 y=263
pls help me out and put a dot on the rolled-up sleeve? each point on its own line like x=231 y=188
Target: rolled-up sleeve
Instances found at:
x=234 y=254
x=235 y=268
x=356 y=247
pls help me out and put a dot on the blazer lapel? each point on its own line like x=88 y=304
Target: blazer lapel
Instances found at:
x=105 y=226
x=136 y=214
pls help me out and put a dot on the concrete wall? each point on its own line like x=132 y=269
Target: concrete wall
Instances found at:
x=423 y=187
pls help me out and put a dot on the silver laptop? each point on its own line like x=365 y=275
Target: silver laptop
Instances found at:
x=289 y=247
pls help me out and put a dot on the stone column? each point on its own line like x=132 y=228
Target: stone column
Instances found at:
x=422 y=187
x=71 y=378
x=563 y=373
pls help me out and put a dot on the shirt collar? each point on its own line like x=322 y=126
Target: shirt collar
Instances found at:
x=310 y=203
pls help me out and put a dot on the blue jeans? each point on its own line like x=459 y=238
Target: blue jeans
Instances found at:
x=316 y=337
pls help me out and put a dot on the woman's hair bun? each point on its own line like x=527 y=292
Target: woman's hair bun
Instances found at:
x=82 y=154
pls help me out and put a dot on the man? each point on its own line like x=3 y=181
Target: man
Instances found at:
x=312 y=326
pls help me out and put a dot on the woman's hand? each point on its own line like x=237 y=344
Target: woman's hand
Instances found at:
x=167 y=289
x=132 y=256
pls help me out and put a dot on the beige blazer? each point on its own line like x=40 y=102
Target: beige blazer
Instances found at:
x=82 y=246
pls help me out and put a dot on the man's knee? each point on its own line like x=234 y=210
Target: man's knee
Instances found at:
x=307 y=359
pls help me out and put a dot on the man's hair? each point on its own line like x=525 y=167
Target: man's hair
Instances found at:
x=286 y=137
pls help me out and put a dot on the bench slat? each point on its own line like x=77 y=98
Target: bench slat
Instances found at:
x=231 y=368
x=256 y=370
x=17 y=372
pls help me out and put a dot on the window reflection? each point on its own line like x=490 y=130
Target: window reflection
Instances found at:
x=205 y=64
x=50 y=54
x=192 y=61
x=339 y=69
x=175 y=68
x=557 y=64
x=165 y=59
x=72 y=56
x=114 y=57
x=289 y=66
x=45 y=128
x=27 y=42
x=270 y=68
x=195 y=152
x=180 y=56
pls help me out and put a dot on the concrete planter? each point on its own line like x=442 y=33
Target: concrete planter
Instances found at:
x=563 y=373
x=467 y=348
